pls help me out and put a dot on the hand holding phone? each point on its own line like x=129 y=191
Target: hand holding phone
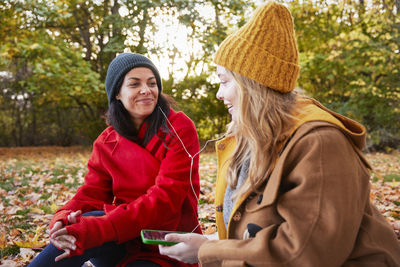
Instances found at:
x=157 y=237
x=188 y=248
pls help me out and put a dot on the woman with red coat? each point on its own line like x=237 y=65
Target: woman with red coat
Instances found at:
x=140 y=177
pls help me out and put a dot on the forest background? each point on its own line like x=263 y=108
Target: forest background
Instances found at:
x=54 y=56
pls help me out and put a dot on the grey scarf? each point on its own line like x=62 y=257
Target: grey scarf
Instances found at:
x=228 y=202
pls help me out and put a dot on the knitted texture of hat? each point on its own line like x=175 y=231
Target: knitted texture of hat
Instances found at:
x=264 y=49
x=121 y=65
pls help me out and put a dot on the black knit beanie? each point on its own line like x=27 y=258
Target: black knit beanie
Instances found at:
x=120 y=66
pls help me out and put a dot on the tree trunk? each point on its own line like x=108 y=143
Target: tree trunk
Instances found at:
x=33 y=127
x=84 y=28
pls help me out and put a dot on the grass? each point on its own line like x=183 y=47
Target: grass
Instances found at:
x=35 y=182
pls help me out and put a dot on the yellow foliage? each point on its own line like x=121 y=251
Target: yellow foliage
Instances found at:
x=3 y=240
x=54 y=207
x=33 y=242
x=37 y=210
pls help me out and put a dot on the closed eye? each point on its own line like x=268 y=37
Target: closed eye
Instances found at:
x=153 y=84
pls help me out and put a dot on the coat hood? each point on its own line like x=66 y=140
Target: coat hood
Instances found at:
x=312 y=110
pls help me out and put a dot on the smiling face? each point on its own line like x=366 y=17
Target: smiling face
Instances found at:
x=139 y=94
x=228 y=91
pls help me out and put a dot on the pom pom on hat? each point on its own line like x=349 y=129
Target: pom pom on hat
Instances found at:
x=264 y=49
x=121 y=65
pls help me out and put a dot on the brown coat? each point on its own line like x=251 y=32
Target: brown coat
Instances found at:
x=314 y=210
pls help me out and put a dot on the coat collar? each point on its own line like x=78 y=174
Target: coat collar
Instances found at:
x=112 y=137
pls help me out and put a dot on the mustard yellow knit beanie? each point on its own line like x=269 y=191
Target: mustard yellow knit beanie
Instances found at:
x=264 y=49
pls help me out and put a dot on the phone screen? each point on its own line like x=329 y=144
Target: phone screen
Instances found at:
x=157 y=237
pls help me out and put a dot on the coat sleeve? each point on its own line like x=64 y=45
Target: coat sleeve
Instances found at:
x=94 y=193
x=324 y=188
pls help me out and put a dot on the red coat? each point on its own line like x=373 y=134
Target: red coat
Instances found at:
x=138 y=188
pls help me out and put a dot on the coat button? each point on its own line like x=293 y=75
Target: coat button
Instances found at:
x=221 y=146
x=219 y=208
x=237 y=216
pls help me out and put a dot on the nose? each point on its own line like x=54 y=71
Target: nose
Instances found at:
x=145 y=90
x=219 y=94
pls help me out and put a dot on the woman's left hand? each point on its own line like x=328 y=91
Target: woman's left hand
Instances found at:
x=63 y=241
x=187 y=248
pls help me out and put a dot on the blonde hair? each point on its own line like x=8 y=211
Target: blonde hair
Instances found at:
x=262 y=126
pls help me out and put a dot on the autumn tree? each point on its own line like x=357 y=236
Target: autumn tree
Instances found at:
x=350 y=58
x=56 y=53
x=54 y=57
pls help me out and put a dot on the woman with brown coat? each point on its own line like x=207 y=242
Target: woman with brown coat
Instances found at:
x=292 y=184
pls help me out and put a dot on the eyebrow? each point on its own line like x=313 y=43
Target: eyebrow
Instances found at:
x=137 y=79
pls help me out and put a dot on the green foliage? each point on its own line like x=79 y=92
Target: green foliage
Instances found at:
x=392 y=178
x=349 y=57
x=54 y=57
x=51 y=80
x=10 y=250
x=196 y=97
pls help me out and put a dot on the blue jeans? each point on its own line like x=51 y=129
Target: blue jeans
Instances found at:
x=108 y=254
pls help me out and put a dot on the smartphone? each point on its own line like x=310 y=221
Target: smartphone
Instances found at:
x=157 y=237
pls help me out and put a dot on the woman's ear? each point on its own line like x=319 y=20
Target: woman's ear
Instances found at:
x=117 y=97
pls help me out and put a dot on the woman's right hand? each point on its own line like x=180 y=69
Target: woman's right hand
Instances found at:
x=63 y=241
x=187 y=248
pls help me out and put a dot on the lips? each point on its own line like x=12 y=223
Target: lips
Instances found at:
x=145 y=101
x=230 y=107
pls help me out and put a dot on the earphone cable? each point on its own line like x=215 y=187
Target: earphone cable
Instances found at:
x=190 y=156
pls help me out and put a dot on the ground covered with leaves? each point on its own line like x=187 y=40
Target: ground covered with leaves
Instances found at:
x=35 y=182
